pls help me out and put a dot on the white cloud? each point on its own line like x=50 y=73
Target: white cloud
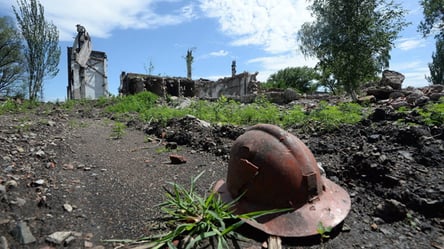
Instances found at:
x=219 y=53
x=414 y=72
x=101 y=17
x=271 y=24
x=410 y=43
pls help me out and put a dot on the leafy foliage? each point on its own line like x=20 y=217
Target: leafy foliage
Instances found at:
x=118 y=130
x=437 y=66
x=11 y=58
x=433 y=17
x=42 y=53
x=300 y=78
x=134 y=103
x=351 y=39
x=332 y=116
x=433 y=113
x=11 y=106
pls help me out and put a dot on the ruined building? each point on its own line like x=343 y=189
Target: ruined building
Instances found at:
x=237 y=86
x=87 y=75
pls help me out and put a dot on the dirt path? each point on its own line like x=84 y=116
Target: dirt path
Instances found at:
x=52 y=163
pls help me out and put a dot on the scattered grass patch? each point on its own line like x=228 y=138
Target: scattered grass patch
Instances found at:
x=195 y=219
x=118 y=130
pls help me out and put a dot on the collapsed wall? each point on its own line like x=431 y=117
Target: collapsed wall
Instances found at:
x=131 y=83
x=239 y=85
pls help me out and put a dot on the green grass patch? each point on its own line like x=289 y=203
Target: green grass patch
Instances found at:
x=137 y=103
x=195 y=218
x=433 y=113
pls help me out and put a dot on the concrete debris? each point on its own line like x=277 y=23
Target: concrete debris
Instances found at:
x=391 y=210
x=68 y=208
x=177 y=159
x=3 y=243
x=22 y=233
x=59 y=238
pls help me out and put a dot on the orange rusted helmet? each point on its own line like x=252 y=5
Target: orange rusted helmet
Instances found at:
x=270 y=168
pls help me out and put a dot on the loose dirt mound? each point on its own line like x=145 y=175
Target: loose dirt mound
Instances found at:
x=62 y=171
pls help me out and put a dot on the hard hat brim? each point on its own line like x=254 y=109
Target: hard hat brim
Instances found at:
x=330 y=209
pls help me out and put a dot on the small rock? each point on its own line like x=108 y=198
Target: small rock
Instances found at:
x=385 y=231
x=51 y=123
x=88 y=244
x=68 y=208
x=171 y=146
x=11 y=184
x=391 y=210
x=40 y=153
x=407 y=155
x=19 y=202
x=50 y=165
x=20 y=149
x=58 y=238
x=23 y=234
x=2 y=190
x=39 y=182
x=69 y=240
x=177 y=159
x=438 y=242
x=3 y=242
x=373 y=138
x=374 y=227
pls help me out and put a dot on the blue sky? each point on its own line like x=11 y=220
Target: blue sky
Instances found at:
x=259 y=34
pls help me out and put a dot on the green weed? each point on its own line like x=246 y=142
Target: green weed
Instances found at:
x=433 y=113
x=195 y=219
x=118 y=130
x=133 y=103
x=323 y=232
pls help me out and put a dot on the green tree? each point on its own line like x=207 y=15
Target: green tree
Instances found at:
x=11 y=68
x=351 y=39
x=437 y=66
x=433 y=11
x=42 y=53
x=300 y=78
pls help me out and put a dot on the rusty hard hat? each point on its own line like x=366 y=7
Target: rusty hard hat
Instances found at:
x=270 y=168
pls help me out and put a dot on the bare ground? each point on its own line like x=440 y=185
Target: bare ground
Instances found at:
x=53 y=160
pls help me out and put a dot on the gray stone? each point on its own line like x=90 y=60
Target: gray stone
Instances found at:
x=40 y=153
x=392 y=78
x=399 y=103
x=391 y=210
x=437 y=88
x=436 y=96
x=23 y=234
x=414 y=96
x=59 y=238
x=68 y=208
x=396 y=94
x=407 y=155
x=3 y=243
x=19 y=202
x=439 y=242
x=11 y=184
x=380 y=92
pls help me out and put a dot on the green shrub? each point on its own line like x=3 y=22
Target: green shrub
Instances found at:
x=332 y=116
x=137 y=103
x=433 y=113
x=295 y=115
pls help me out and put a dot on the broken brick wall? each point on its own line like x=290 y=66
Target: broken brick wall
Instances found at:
x=239 y=85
